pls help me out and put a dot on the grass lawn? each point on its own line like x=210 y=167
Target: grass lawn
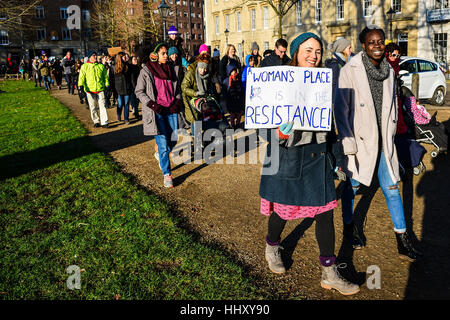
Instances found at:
x=63 y=203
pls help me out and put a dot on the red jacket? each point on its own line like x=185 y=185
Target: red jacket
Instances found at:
x=401 y=126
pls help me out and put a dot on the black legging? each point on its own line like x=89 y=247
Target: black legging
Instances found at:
x=324 y=231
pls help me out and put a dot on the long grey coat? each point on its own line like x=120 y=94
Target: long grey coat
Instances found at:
x=356 y=122
x=146 y=91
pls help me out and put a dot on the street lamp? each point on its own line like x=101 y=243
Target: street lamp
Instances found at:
x=164 y=10
x=226 y=35
x=390 y=13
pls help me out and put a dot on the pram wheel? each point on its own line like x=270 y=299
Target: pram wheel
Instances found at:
x=419 y=169
x=433 y=154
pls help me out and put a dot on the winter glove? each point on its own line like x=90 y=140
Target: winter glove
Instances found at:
x=340 y=174
x=285 y=130
x=176 y=106
x=156 y=107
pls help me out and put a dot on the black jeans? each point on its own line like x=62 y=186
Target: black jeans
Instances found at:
x=70 y=83
x=324 y=231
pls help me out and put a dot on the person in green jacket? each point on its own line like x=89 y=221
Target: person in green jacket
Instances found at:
x=94 y=79
x=44 y=68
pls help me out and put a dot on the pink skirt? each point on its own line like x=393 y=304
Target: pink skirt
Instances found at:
x=290 y=212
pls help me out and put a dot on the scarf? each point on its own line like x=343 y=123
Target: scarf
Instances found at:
x=162 y=71
x=376 y=76
x=202 y=82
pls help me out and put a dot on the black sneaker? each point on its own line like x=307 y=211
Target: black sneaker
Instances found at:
x=96 y=125
x=105 y=126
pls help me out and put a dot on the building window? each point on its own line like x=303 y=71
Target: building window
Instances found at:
x=227 y=22
x=298 y=12
x=63 y=13
x=253 y=18
x=318 y=11
x=396 y=5
x=4 y=39
x=266 y=17
x=240 y=53
x=403 y=43
x=339 y=9
x=217 y=24
x=199 y=25
x=87 y=34
x=266 y=45
x=86 y=16
x=441 y=4
x=238 y=21
x=41 y=34
x=440 y=47
x=199 y=37
x=367 y=4
x=66 y=34
x=40 y=13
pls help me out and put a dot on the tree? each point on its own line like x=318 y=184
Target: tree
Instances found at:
x=113 y=23
x=14 y=13
x=280 y=7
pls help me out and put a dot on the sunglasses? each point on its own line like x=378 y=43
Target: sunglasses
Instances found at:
x=395 y=55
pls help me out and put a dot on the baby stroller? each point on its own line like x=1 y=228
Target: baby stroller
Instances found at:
x=423 y=127
x=211 y=115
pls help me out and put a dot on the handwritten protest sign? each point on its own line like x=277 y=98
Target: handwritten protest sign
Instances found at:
x=276 y=95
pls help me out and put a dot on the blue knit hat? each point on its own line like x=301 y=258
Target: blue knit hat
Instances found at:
x=173 y=30
x=302 y=38
x=91 y=52
x=173 y=50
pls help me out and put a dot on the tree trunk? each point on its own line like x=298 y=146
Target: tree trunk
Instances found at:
x=280 y=24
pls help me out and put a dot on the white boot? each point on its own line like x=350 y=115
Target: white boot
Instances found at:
x=331 y=279
x=273 y=257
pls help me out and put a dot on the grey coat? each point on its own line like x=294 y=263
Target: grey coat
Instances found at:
x=146 y=91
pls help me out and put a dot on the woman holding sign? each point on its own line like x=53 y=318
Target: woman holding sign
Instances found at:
x=366 y=118
x=303 y=186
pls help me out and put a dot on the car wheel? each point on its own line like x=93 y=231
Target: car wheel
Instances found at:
x=439 y=96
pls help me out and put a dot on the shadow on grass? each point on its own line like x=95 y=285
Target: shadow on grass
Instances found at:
x=24 y=162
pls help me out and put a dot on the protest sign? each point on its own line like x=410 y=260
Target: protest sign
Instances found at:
x=276 y=95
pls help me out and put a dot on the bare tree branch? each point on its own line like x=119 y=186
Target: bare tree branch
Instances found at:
x=15 y=14
x=280 y=7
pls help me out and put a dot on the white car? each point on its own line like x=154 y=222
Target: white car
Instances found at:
x=432 y=83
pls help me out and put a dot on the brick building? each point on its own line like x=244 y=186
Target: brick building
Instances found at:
x=187 y=17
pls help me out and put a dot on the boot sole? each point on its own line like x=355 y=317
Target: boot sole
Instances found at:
x=328 y=287
x=406 y=258
x=277 y=272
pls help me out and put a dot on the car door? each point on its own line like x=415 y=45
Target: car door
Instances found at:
x=427 y=78
x=410 y=66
